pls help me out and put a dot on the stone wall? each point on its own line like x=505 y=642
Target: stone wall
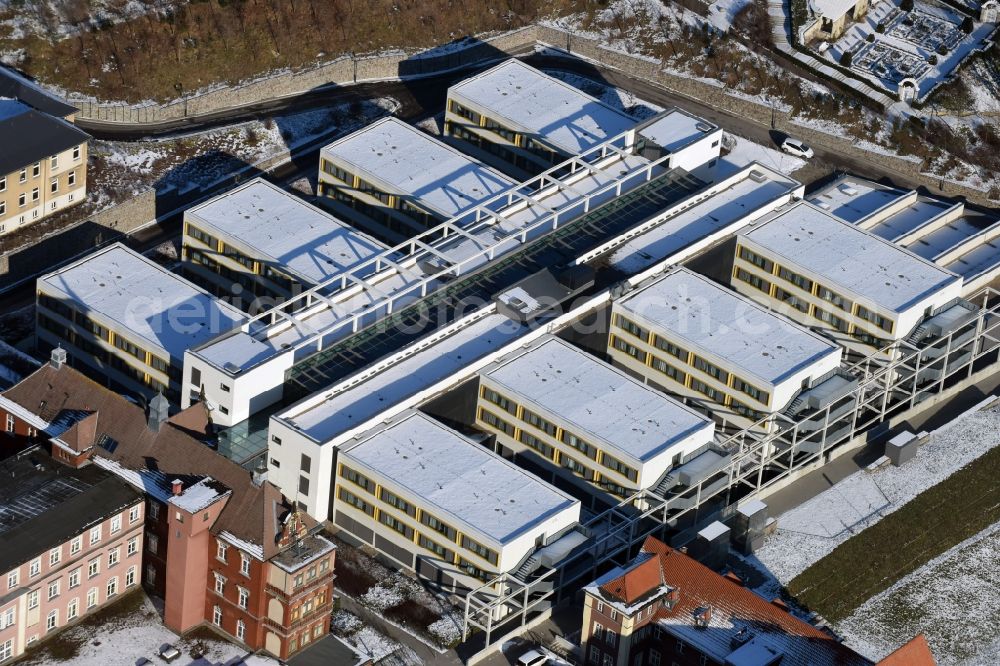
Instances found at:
x=91 y=232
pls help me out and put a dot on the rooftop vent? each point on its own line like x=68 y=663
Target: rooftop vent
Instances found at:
x=703 y=127
x=757 y=176
x=58 y=358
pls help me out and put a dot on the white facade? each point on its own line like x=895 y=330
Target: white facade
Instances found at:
x=700 y=340
x=689 y=141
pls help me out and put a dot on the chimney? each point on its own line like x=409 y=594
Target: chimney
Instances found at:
x=176 y=486
x=703 y=616
x=159 y=412
x=259 y=474
x=58 y=358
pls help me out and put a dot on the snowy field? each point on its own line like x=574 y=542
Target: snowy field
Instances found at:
x=813 y=529
x=952 y=599
x=125 y=638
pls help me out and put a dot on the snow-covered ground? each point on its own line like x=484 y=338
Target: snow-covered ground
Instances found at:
x=369 y=642
x=62 y=20
x=616 y=98
x=813 y=529
x=126 y=638
x=952 y=599
x=745 y=151
x=198 y=160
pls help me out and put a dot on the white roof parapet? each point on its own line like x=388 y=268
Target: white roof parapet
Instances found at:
x=284 y=231
x=730 y=328
x=539 y=104
x=459 y=479
x=597 y=399
x=849 y=258
x=405 y=160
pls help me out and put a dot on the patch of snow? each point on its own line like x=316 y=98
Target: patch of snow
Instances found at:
x=377 y=646
x=813 y=529
x=952 y=600
x=746 y=151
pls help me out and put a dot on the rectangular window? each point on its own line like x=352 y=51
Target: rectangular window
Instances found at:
x=35 y=567
x=12 y=579
x=574 y=465
x=22 y=200
x=154 y=510
x=533 y=442
x=74 y=578
x=500 y=401
x=875 y=318
x=116 y=523
x=753 y=280
x=393 y=523
x=244 y=564
x=398 y=502
x=3 y=183
x=833 y=297
x=216 y=616
x=76 y=152
x=631 y=327
x=54 y=162
x=7 y=619
x=24 y=175
x=711 y=369
x=438 y=526
x=72 y=609
x=130 y=576
x=491 y=419
x=220 y=551
x=751 y=390
x=705 y=389
x=831 y=319
x=10 y=423
x=53 y=590
x=32 y=599
x=35 y=194
x=538 y=422
x=630 y=349
x=434 y=547
x=113 y=556
x=220 y=584
x=243 y=597
x=54 y=186
x=752 y=257
x=91 y=598
x=305 y=464
x=480 y=550
x=93 y=567
x=52 y=620
x=303 y=486
x=241 y=629
x=620 y=467
x=152 y=542
x=790 y=299
x=133 y=514
x=54 y=556
x=357 y=479
x=671 y=348
x=668 y=370
x=355 y=501
x=800 y=281
x=112 y=587
x=95 y=534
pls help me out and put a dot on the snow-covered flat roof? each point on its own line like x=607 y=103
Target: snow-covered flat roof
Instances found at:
x=597 y=399
x=324 y=418
x=849 y=258
x=413 y=163
x=564 y=116
x=676 y=129
x=757 y=187
x=832 y=9
x=854 y=199
x=459 y=479
x=282 y=229
x=728 y=328
x=147 y=303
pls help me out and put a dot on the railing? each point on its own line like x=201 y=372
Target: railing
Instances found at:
x=761 y=458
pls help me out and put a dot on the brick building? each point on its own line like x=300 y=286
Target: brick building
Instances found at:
x=222 y=545
x=666 y=609
x=71 y=543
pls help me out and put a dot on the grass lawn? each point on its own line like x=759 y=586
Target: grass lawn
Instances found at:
x=934 y=521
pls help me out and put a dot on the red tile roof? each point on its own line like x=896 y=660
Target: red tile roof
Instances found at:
x=732 y=608
x=915 y=653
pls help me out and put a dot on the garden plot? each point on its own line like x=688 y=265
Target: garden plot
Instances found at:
x=925 y=31
x=889 y=64
x=952 y=600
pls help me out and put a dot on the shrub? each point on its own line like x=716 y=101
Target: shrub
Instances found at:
x=880 y=27
x=906 y=5
x=968 y=25
x=932 y=60
x=870 y=38
x=847 y=59
x=942 y=49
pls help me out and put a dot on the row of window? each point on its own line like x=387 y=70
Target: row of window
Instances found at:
x=550 y=429
x=537 y=148
x=829 y=318
x=808 y=286
x=378 y=214
x=405 y=507
x=111 y=590
x=737 y=383
x=95 y=536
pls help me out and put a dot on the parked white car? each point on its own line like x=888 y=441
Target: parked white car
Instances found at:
x=797 y=148
x=532 y=658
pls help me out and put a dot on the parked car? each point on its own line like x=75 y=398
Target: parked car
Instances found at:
x=532 y=658
x=796 y=147
x=168 y=653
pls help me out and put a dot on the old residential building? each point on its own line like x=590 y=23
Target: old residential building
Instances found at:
x=664 y=608
x=586 y=421
x=221 y=546
x=134 y=337
x=72 y=543
x=43 y=163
